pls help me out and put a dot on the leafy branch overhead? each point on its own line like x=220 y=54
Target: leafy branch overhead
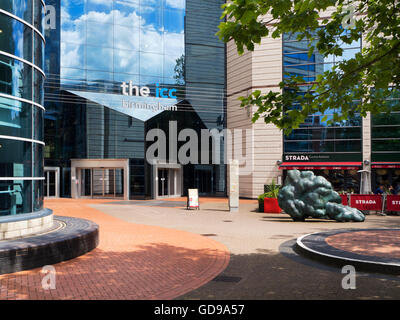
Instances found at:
x=354 y=85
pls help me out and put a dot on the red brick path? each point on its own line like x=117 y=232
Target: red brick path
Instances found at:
x=382 y=243
x=131 y=262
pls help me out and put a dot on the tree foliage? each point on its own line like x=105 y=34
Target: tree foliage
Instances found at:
x=354 y=86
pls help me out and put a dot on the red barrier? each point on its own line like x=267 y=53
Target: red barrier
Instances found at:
x=392 y=203
x=345 y=200
x=366 y=202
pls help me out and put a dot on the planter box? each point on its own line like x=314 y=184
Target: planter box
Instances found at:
x=271 y=205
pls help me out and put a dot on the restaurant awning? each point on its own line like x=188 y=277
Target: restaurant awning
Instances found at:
x=385 y=165
x=320 y=165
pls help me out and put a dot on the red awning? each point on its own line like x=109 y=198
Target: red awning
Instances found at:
x=320 y=166
x=385 y=165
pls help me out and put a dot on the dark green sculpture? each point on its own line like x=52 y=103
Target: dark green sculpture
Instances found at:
x=306 y=195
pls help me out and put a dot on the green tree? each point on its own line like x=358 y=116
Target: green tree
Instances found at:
x=355 y=86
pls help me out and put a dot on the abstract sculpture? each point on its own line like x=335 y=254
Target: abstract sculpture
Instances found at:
x=306 y=195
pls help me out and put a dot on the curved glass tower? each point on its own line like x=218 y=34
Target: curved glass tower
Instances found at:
x=21 y=106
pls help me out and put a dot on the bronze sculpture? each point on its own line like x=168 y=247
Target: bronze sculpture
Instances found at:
x=306 y=195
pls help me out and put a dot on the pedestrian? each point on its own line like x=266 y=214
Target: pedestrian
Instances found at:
x=380 y=189
x=395 y=189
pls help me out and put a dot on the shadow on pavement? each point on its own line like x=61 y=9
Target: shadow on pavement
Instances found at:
x=279 y=276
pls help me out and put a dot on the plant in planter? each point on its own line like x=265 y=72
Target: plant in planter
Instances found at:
x=268 y=202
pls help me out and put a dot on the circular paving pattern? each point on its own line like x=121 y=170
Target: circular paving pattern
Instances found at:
x=369 y=249
x=378 y=243
x=67 y=239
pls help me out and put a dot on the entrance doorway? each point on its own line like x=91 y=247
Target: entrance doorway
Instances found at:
x=101 y=182
x=204 y=179
x=163 y=181
x=100 y=178
x=52 y=182
x=168 y=182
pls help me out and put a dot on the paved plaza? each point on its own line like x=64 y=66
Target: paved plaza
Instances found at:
x=164 y=251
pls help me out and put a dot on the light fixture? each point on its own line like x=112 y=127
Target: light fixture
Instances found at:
x=279 y=162
x=366 y=162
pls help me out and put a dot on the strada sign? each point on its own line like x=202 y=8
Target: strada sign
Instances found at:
x=366 y=202
x=297 y=158
x=322 y=157
x=393 y=203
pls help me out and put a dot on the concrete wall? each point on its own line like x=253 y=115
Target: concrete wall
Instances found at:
x=258 y=70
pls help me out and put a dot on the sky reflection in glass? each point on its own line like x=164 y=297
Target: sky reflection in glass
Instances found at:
x=122 y=38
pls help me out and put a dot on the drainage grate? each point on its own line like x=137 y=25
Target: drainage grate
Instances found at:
x=208 y=235
x=227 y=279
x=227 y=221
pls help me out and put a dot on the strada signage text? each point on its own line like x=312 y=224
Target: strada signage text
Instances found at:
x=366 y=202
x=322 y=157
x=297 y=158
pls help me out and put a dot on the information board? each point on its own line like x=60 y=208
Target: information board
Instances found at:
x=193 y=199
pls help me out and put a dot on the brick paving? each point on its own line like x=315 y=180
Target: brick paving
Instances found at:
x=132 y=261
x=381 y=243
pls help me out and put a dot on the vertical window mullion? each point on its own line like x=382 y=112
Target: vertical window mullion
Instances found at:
x=32 y=111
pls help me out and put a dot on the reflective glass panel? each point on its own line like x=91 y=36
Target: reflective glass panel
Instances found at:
x=15 y=118
x=15 y=78
x=16 y=197
x=20 y=8
x=15 y=158
x=16 y=38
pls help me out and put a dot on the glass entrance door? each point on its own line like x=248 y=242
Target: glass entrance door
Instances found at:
x=204 y=178
x=51 y=183
x=163 y=182
x=86 y=183
x=102 y=183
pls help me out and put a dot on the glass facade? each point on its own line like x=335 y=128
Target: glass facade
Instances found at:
x=21 y=106
x=315 y=135
x=385 y=145
x=316 y=139
x=386 y=132
x=98 y=45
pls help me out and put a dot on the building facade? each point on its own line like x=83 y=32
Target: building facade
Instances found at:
x=21 y=106
x=116 y=70
x=336 y=151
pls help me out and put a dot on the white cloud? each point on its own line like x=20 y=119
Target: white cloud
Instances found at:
x=176 y=4
x=132 y=34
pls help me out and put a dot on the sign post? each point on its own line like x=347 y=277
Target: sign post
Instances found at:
x=193 y=199
x=234 y=186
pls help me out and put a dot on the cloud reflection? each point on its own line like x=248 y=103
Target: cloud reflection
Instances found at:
x=127 y=39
